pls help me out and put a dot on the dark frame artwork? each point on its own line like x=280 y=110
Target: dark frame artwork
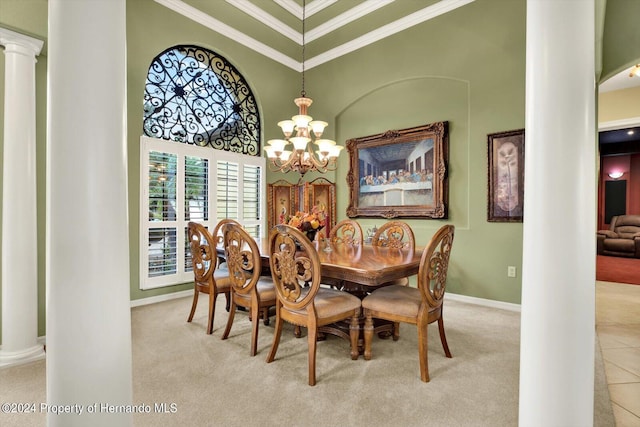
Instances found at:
x=505 y=176
x=400 y=173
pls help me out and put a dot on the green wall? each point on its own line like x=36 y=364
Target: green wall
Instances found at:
x=466 y=67
x=269 y=80
x=621 y=37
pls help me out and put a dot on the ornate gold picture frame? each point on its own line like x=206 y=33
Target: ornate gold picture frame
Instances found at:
x=400 y=173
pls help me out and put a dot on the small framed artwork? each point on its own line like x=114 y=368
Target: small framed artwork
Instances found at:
x=400 y=173
x=282 y=201
x=506 y=176
x=321 y=193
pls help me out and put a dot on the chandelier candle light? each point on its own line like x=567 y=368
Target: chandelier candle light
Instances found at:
x=297 y=131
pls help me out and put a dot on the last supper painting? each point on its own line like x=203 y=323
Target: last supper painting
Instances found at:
x=400 y=173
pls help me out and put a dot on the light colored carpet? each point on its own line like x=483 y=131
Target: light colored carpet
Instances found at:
x=214 y=382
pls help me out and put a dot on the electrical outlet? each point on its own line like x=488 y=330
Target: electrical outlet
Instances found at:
x=511 y=271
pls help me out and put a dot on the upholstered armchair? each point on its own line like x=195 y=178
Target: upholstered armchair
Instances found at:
x=622 y=238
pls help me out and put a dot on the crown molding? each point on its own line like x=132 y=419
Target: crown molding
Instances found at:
x=390 y=29
x=333 y=24
x=619 y=124
x=345 y=18
x=397 y=26
x=313 y=7
x=220 y=27
x=255 y=12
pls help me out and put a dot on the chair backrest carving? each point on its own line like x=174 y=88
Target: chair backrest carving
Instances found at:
x=243 y=258
x=346 y=232
x=394 y=234
x=218 y=232
x=295 y=267
x=434 y=264
x=203 y=252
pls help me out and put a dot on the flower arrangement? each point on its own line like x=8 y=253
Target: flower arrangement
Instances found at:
x=309 y=222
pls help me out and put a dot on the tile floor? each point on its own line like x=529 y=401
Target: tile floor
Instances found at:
x=618 y=329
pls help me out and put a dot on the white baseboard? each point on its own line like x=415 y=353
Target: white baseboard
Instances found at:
x=161 y=298
x=484 y=302
x=456 y=297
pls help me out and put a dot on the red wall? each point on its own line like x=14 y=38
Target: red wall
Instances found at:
x=630 y=165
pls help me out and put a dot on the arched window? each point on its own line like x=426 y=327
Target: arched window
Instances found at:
x=199 y=160
x=195 y=96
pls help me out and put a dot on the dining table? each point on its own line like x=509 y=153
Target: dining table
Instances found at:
x=357 y=269
x=366 y=265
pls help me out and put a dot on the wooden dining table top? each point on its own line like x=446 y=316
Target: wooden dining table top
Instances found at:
x=364 y=264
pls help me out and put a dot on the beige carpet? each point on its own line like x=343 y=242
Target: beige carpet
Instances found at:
x=214 y=382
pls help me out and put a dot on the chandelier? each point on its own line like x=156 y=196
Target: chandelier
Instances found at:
x=298 y=131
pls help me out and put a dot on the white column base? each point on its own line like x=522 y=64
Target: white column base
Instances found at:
x=12 y=358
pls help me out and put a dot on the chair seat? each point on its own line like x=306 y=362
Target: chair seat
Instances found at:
x=223 y=287
x=222 y=281
x=331 y=302
x=265 y=289
x=401 y=300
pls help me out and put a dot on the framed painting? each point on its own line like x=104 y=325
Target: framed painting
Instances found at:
x=321 y=193
x=506 y=176
x=400 y=173
x=282 y=201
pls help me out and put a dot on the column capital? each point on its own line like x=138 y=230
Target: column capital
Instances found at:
x=11 y=37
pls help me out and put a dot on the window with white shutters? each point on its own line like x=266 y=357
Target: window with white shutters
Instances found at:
x=183 y=183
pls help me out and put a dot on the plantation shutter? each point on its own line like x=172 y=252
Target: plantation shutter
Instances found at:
x=182 y=183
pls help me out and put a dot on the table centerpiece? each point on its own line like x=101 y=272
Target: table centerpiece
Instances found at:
x=309 y=222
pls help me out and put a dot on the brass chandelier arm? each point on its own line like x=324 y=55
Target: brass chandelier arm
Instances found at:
x=298 y=163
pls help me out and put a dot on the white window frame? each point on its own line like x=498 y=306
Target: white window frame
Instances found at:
x=182 y=150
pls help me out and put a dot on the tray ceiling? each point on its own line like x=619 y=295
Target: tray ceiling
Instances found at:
x=332 y=28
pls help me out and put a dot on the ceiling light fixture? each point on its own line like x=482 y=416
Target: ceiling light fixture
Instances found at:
x=635 y=71
x=297 y=131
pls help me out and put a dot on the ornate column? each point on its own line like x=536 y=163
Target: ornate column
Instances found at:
x=559 y=245
x=19 y=226
x=88 y=283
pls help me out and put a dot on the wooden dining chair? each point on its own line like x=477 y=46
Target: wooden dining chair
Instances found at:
x=207 y=278
x=249 y=289
x=395 y=235
x=347 y=232
x=419 y=306
x=294 y=263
